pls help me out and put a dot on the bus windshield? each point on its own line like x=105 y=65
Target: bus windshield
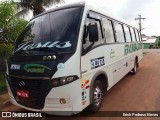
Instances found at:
x=57 y=30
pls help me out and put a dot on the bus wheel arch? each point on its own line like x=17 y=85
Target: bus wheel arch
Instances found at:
x=99 y=82
x=136 y=61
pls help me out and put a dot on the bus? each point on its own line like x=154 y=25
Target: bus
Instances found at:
x=67 y=58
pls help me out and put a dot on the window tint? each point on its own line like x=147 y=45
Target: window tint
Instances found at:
x=127 y=34
x=133 y=35
x=52 y=30
x=87 y=44
x=40 y=29
x=65 y=29
x=119 y=33
x=108 y=31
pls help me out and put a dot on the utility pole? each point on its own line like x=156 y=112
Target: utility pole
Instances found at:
x=140 y=23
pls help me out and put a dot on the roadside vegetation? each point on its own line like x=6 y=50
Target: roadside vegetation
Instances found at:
x=36 y=6
x=10 y=25
x=10 y=28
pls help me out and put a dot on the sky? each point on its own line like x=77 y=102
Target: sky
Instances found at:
x=129 y=10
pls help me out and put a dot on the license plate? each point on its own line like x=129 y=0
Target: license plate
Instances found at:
x=23 y=93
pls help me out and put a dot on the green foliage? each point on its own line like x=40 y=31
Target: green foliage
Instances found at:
x=17 y=28
x=37 y=6
x=7 y=15
x=10 y=25
x=5 y=50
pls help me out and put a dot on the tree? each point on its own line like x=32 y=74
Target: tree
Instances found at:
x=17 y=27
x=10 y=26
x=37 y=6
x=7 y=15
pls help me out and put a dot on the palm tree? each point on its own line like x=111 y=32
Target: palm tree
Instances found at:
x=37 y=6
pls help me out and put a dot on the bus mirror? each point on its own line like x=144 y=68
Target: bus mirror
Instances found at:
x=93 y=32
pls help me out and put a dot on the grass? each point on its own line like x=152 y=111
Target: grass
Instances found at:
x=3 y=87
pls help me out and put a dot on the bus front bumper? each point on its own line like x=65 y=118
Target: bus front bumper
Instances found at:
x=52 y=110
x=59 y=101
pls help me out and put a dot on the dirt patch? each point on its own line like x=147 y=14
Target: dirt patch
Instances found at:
x=4 y=98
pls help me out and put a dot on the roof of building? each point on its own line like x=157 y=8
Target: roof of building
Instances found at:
x=144 y=38
x=151 y=40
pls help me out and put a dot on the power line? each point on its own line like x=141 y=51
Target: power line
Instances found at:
x=140 y=23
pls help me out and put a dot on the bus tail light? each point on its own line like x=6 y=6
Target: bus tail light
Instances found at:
x=63 y=80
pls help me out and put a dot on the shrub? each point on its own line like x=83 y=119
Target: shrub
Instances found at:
x=5 y=50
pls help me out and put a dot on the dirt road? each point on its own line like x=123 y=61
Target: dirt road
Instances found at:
x=140 y=92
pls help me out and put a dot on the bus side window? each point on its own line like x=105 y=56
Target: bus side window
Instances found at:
x=127 y=34
x=109 y=35
x=139 y=35
x=133 y=35
x=119 y=33
x=87 y=45
x=136 y=34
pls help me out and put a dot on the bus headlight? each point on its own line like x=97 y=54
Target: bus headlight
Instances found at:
x=63 y=80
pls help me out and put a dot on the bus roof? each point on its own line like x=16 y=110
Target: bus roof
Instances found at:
x=61 y=7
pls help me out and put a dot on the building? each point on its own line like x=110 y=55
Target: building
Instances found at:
x=150 y=42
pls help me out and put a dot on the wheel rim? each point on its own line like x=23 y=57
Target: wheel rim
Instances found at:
x=97 y=95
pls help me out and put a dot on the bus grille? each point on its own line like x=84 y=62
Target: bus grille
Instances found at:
x=34 y=85
x=38 y=90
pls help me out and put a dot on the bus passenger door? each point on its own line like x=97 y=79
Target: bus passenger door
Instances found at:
x=92 y=57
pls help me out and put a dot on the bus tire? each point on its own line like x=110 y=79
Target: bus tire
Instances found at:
x=134 y=70
x=97 y=96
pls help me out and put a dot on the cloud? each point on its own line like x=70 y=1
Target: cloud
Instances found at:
x=131 y=8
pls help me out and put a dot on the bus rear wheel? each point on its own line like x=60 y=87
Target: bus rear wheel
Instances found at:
x=134 y=70
x=97 y=96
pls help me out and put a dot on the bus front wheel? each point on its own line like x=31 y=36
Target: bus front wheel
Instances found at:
x=97 y=96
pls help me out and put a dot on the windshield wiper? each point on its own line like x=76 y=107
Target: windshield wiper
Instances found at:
x=43 y=48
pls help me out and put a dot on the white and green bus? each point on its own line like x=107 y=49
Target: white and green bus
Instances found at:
x=67 y=58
